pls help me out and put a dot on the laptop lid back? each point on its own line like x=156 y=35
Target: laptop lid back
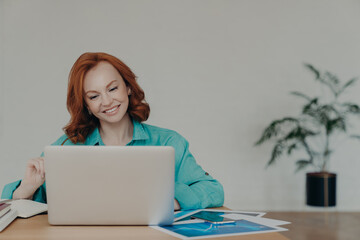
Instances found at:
x=110 y=185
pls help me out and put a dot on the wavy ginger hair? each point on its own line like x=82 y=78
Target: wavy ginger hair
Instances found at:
x=81 y=123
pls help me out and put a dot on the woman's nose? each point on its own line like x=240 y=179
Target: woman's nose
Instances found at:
x=107 y=100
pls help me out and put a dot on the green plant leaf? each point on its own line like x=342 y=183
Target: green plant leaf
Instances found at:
x=351 y=108
x=276 y=152
x=301 y=164
x=333 y=79
x=322 y=114
x=299 y=94
x=291 y=148
x=310 y=109
x=273 y=129
x=313 y=103
x=336 y=124
x=328 y=112
x=348 y=84
x=299 y=133
x=313 y=69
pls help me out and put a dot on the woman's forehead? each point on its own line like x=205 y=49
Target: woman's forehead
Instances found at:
x=102 y=69
x=101 y=75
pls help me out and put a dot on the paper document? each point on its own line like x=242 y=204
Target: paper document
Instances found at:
x=260 y=220
x=245 y=223
x=208 y=230
x=28 y=208
x=185 y=215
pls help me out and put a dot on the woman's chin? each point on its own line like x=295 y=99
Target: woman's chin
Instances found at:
x=112 y=119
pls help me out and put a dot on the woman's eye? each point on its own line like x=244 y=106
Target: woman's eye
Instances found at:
x=113 y=89
x=93 y=97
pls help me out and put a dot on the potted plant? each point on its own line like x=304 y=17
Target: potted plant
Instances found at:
x=312 y=133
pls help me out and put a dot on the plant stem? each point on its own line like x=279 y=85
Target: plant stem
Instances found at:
x=326 y=154
x=308 y=150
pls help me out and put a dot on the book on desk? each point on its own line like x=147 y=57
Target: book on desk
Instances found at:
x=19 y=208
x=4 y=208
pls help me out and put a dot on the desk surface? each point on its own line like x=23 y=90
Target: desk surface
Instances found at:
x=320 y=225
x=38 y=228
x=305 y=225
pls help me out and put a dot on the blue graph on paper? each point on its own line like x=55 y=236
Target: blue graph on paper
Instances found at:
x=206 y=228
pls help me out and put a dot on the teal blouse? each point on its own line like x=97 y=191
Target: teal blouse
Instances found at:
x=194 y=188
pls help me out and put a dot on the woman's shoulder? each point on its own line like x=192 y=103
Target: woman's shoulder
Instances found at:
x=164 y=135
x=160 y=131
x=63 y=140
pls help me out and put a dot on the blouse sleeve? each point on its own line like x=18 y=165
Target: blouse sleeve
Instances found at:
x=194 y=188
x=9 y=189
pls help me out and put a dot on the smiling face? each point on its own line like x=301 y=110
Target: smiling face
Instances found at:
x=106 y=94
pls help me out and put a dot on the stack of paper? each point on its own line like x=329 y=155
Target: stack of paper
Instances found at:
x=188 y=227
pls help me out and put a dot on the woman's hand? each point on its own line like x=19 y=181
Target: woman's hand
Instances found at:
x=34 y=178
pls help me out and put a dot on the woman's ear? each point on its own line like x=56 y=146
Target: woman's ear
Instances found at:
x=129 y=91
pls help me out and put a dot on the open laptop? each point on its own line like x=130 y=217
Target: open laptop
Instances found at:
x=110 y=185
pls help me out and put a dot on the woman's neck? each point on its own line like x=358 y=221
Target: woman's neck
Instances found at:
x=119 y=133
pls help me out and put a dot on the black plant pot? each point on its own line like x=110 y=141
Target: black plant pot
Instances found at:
x=321 y=189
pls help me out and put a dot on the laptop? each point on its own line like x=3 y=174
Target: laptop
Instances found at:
x=110 y=185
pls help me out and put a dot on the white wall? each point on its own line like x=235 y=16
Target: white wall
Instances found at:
x=216 y=71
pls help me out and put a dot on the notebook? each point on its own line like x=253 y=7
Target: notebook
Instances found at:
x=28 y=208
x=110 y=185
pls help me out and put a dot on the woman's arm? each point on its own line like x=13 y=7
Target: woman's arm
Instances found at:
x=33 y=179
x=194 y=188
x=33 y=185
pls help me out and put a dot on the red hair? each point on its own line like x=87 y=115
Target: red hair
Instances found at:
x=81 y=123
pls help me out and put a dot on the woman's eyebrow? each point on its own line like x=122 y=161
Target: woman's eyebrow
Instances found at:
x=111 y=83
x=97 y=91
x=90 y=91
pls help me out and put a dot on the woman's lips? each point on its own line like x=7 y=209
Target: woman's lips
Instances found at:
x=112 y=111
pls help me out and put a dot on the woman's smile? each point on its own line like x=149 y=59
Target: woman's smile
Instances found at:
x=112 y=111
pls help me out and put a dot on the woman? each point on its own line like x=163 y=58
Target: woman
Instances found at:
x=107 y=107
